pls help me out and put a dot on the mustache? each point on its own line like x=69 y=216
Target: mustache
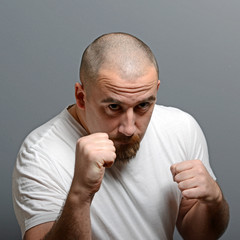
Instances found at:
x=127 y=139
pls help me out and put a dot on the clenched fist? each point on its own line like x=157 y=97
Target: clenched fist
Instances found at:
x=195 y=182
x=93 y=153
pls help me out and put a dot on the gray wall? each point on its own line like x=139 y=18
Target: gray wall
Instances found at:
x=197 y=44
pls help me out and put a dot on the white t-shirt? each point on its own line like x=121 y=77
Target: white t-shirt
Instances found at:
x=136 y=201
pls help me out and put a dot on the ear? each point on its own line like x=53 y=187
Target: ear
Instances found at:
x=158 y=84
x=79 y=95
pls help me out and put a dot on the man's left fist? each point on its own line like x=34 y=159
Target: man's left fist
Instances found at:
x=195 y=182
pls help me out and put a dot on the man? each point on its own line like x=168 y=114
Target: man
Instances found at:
x=115 y=165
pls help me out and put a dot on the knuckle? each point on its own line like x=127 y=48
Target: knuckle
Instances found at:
x=172 y=166
x=186 y=194
x=199 y=171
x=82 y=141
x=198 y=161
x=79 y=141
x=181 y=185
x=114 y=155
x=104 y=135
x=177 y=178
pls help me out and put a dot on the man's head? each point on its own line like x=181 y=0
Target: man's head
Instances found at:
x=119 y=52
x=119 y=76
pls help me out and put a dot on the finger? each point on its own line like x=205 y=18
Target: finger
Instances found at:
x=107 y=146
x=187 y=184
x=108 y=162
x=179 y=167
x=99 y=135
x=93 y=139
x=182 y=176
x=173 y=170
x=183 y=166
x=106 y=159
x=192 y=193
x=96 y=137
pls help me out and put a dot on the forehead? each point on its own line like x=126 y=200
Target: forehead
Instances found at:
x=111 y=85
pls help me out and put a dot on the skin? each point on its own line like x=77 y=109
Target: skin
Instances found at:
x=203 y=212
x=119 y=107
x=115 y=106
x=113 y=111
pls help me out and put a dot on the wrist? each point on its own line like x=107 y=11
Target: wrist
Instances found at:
x=79 y=194
x=216 y=199
x=218 y=196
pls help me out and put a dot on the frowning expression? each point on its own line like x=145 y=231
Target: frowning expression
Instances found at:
x=121 y=107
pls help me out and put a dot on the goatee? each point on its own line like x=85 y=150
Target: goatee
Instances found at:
x=127 y=149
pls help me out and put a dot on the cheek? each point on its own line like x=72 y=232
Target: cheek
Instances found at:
x=111 y=126
x=101 y=123
x=143 y=122
x=108 y=124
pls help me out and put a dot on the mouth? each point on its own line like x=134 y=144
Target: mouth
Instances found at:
x=120 y=142
x=126 y=140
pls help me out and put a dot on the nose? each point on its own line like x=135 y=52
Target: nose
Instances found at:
x=127 y=125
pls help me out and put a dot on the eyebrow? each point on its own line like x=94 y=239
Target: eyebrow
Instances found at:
x=112 y=100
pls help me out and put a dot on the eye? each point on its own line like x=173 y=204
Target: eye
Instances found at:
x=143 y=105
x=114 y=107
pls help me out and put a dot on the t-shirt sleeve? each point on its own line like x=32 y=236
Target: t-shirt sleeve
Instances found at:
x=196 y=144
x=38 y=192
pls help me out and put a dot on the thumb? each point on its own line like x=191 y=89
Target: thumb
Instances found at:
x=173 y=170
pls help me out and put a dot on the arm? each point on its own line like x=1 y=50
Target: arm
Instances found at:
x=93 y=154
x=203 y=212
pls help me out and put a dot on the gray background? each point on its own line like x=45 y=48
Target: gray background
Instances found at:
x=197 y=45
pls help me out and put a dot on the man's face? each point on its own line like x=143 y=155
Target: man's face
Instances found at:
x=122 y=108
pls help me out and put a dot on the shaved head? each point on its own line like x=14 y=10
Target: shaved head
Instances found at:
x=121 y=52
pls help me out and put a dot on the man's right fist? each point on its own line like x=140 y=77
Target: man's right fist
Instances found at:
x=93 y=153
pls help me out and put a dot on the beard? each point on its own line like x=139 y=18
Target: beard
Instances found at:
x=127 y=149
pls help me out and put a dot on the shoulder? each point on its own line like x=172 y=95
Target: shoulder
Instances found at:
x=44 y=169
x=171 y=117
x=169 y=112
x=174 y=123
x=48 y=146
x=38 y=134
x=62 y=128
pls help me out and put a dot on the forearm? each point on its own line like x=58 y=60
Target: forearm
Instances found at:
x=93 y=153
x=74 y=222
x=204 y=221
